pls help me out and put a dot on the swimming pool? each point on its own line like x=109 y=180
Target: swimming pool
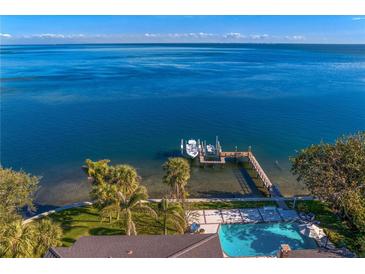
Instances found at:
x=264 y=239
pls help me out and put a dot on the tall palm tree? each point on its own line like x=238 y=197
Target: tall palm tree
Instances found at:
x=122 y=179
x=132 y=204
x=47 y=234
x=171 y=213
x=125 y=177
x=177 y=175
x=96 y=171
x=17 y=240
x=108 y=182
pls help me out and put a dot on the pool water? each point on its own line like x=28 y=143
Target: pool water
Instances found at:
x=264 y=239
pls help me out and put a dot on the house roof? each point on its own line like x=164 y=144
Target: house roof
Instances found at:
x=142 y=246
x=315 y=253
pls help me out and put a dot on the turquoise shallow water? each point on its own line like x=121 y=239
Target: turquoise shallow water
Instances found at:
x=246 y=240
x=133 y=103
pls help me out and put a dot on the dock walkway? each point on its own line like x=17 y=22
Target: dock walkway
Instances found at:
x=221 y=159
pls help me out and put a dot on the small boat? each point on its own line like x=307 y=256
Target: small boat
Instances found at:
x=210 y=149
x=191 y=148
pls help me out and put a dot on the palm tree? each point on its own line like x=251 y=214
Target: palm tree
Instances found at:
x=47 y=234
x=108 y=182
x=132 y=204
x=17 y=240
x=177 y=176
x=125 y=177
x=96 y=171
x=171 y=213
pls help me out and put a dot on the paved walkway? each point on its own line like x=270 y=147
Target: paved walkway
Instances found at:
x=246 y=199
x=210 y=219
x=278 y=200
x=44 y=214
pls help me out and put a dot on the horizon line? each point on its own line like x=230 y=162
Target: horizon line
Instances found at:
x=180 y=43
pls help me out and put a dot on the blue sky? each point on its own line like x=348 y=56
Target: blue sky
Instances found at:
x=152 y=29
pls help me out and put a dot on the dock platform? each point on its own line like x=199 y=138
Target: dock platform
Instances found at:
x=221 y=159
x=212 y=155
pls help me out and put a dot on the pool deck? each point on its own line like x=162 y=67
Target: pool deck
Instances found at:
x=210 y=220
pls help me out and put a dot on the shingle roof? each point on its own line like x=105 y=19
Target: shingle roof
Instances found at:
x=313 y=253
x=142 y=246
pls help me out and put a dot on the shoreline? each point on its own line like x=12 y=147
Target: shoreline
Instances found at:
x=40 y=215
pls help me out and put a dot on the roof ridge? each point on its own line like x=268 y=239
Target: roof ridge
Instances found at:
x=190 y=247
x=54 y=252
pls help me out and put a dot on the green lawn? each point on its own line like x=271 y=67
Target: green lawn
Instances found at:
x=338 y=230
x=85 y=221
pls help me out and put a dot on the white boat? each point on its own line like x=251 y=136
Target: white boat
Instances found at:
x=191 y=148
x=210 y=149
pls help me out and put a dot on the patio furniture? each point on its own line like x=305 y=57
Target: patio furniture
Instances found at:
x=194 y=227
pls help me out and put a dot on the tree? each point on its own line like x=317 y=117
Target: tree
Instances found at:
x=47 y=234
x=110 y=180
x=171 y=213
x=177 y=175
x=17 y=190
x=132 y=204
x=107 y=182
x=125 y=177
x=354 y=208
x=335 y=173
x=17 y=240
x=98 y=170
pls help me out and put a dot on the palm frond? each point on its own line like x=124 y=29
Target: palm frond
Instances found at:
x=146 y=209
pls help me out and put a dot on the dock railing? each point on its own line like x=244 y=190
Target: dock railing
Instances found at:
x=221 y=159
x=259 y=170
x=252 y=159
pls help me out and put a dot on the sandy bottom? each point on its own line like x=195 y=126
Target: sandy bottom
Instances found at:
x=223 y=182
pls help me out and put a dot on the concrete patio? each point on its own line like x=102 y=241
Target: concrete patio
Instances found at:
x=210 y=219
x=231 y=216
x=213 y=216
x=270 y=214
x=288 y=215
x=251 y=215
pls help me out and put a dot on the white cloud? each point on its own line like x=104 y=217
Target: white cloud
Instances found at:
x=358 y=18
x=49 y=35
x=204 y=34
x=150 y=35
x=180 y=35
x=191 y=34
x=295 y=37
x=55 y=36
x=259 y=36
x=234 y=35
x=5 y=35
x=193 y=37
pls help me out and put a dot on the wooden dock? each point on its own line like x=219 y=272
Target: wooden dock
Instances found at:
x=235 y=154
x=202 y=160
x=221 y=159
x=255 y=164
x=217 y=157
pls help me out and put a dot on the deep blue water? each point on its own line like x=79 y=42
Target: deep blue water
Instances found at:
x=247 y=240
x=61 y=104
